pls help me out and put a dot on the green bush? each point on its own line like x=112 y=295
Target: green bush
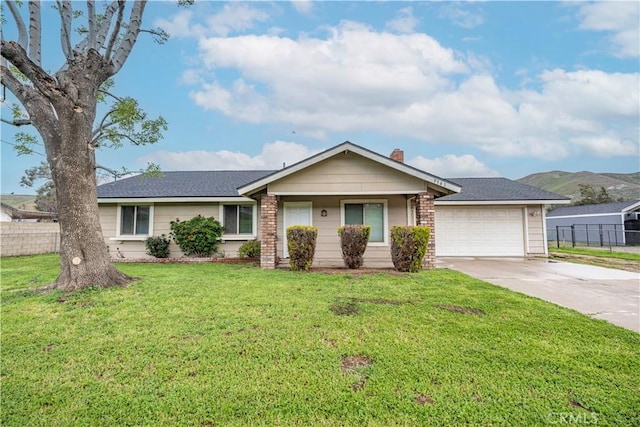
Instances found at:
x=353 y=242
x=158 y=246
x=198 y=236
x=301 y=243
x=408 y=247
x=249 y=249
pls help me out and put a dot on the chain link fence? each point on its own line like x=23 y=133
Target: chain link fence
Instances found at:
x=593 y=235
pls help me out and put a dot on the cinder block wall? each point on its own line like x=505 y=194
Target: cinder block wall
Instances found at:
x=29 y=238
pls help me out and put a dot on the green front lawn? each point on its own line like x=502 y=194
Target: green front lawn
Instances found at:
x=215 y=344
x=600 y=253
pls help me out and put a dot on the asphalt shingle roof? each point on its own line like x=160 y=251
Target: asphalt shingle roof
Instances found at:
x=225 y=184
x=181 y=184
x=603 y=208
x=487 y=189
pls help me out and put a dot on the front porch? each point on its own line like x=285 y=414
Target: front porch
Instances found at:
x=327 y=214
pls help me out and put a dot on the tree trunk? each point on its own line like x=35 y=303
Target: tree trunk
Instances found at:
x=84 y=257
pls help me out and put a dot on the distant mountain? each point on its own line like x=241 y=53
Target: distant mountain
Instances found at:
x=625 y=185
x=19 y=201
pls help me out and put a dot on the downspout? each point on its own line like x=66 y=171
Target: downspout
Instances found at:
x=543 y=208
x=526 y=230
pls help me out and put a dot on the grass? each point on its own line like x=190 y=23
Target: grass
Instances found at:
x=217 y=344
x=600 y=253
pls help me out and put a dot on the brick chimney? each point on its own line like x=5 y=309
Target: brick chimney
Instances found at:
x=397 y=155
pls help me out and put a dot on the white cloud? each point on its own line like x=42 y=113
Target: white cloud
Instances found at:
x=461 y=15
x=410 y=86
x=619 y=18
x=303 y=6
x=180 y=25
x=606 y=146
x=234 y=17
x=404 y=22
x=452 y=166
x=273 y=156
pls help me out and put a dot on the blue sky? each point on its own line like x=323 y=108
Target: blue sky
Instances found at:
x=465 y=89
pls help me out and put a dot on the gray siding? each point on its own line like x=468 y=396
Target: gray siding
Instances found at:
x=163 y=214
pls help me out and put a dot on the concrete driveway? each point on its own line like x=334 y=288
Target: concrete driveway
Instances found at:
x=602 y=293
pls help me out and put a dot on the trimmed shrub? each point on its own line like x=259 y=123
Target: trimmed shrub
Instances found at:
x=353 y=242
x=198 y=236
x=249 y=249
x=408 y=247
x=301 y=243
x=158 y=246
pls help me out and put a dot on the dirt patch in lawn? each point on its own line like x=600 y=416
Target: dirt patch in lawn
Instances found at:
x=618 y=264
x=423 y=399
x=342 y=308
x=351 y=363
x=355 y=365
x=460 y=309
x=380 y=301
x=348 y=306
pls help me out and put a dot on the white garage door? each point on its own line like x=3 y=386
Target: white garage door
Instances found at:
x=479 y=231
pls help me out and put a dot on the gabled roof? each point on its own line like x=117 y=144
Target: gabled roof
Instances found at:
x=219 y=185
x=479 y=190
x=181 y=184
x=438 y=182
x=600 y=209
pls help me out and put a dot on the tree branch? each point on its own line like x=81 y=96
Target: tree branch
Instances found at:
x=115 y=173
x=125 y=136
x=22 y=29
x=97 y=133
x=117 y=98
x=64 y=9
x=105 y=24
x=129 y=39
x=3 y=62
x=35 y=33
x=15 y=54
x=16 y=122
x=116 y=31
x=91 y=20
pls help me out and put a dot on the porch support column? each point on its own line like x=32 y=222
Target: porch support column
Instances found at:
x=425 y=215
x=268 y=231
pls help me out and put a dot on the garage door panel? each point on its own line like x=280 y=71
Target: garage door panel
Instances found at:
x=487 y=231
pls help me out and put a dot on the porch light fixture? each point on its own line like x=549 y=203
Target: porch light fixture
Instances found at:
x=535 y=213
x=323 y=212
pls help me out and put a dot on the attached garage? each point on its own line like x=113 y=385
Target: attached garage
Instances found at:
x=492 y=217
x=480 y=231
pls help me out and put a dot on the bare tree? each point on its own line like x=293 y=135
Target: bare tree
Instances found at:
x=62 y=108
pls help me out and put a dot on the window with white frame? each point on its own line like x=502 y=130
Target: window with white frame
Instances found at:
x=239 y=219
x=367 y=212
x=135 y=220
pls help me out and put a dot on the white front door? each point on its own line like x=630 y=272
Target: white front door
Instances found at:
x=295 y=213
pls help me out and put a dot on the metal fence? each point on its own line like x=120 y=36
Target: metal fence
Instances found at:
x=600 y=235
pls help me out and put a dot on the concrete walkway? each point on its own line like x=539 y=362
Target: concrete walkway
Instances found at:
x=602 y=293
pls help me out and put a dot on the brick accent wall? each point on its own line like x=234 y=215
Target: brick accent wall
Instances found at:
x=425 y=215
x=29 y=238
x=268 y=231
